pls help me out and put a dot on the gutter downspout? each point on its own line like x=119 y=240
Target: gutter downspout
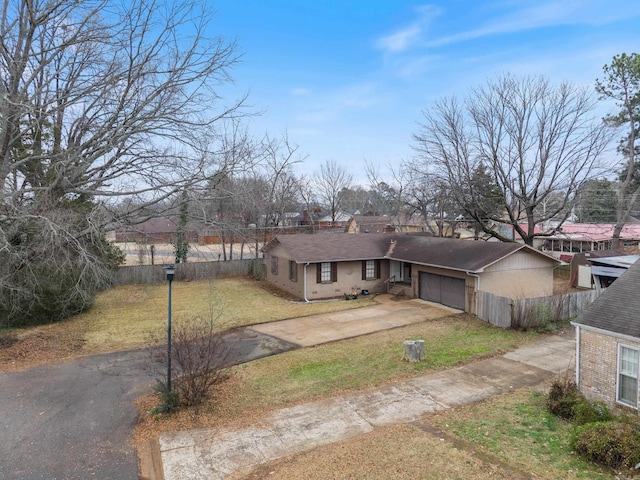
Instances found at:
x=577 y=355
x=304 y=292
x=477 y=290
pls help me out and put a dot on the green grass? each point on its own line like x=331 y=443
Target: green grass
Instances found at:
x=370 y=360
x=518 y=429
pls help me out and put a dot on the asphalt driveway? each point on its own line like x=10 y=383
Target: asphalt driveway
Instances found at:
x=73 y=420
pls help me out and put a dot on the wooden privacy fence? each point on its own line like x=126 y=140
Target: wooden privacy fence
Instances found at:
x=128 y=275
x=531 y=312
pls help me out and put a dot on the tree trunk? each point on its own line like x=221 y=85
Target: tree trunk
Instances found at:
x=414 y=350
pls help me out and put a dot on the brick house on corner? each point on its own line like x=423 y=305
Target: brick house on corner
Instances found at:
x=608 y=343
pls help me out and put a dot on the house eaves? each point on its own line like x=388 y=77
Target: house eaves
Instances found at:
x=453 y=254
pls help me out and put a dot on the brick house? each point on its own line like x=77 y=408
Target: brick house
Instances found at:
x=370 y=224
x=442 y=270
x=608 y=343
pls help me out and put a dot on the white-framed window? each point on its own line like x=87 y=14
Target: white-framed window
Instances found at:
x=327 y=272
x=628 y=368
x=325 y=275
x=370 y=269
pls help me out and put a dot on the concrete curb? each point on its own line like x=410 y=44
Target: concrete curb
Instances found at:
x=150 y=461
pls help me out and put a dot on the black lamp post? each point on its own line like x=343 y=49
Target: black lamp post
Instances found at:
x=170 y=271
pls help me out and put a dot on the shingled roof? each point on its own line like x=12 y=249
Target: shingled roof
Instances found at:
x=332 y=247
x=617 y=309
x=463 y=255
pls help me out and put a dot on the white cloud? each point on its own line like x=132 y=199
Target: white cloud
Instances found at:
x=407 y=36
x=547 y=14
x=300 y=92
x=402 y=39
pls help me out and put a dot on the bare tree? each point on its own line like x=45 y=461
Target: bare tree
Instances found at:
x=390 y=190
x=307 y=193
x=429 y=196
x=328 y=183
x=98 y=100
x=536 y=138
x=622 y=84
x=278 y=159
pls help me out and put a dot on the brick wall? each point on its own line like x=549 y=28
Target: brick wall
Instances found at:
x=598 y=365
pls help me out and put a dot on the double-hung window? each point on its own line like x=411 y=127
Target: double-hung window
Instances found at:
x=370 y=269
x=628 y=367
x=327 y=272
x=293 y=271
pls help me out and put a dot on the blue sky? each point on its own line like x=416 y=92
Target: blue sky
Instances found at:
x=348 y=79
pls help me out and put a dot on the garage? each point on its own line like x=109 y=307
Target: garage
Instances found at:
x=448 y=291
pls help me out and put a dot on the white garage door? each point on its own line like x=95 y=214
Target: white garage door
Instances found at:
x=448 y=291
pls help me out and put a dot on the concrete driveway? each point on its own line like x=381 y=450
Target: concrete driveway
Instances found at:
x=329 y=327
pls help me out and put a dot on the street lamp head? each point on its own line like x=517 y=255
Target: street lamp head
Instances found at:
x=169 y=271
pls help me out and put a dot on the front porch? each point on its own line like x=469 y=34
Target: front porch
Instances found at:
x=399 y=282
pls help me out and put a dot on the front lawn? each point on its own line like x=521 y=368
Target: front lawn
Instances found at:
x=303 y=375
x=509 y=437
x=134 y=316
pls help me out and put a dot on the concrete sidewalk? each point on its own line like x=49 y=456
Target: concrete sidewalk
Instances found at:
x=214 y=454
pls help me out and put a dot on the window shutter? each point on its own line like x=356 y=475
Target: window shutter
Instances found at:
x=334 y=271
x=377 y=269
x=318 y=273
x=364 y=269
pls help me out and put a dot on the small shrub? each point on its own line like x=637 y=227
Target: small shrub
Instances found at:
x=199 y=355
x=563 y=397
x=590 y=412
x=169 y=399
x=612 y=444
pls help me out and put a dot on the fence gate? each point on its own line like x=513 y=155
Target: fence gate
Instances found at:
x=494 y=309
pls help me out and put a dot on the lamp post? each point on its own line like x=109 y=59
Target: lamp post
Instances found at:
x=169 y=271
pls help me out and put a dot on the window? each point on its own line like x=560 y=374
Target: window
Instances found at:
x=628 y=375
x=370 y=269
x=274 y=265
x=327 y=272
x=293 y=271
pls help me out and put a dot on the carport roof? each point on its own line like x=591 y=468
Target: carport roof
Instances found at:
x=617 y=309
x=463 y=255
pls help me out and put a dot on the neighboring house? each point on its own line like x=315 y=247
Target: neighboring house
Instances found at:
x=443 y=270
x=337 y=222
x=370 y=224
x=409 y=223
x=155 y=230
x=608 y=343
x=586 y=237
